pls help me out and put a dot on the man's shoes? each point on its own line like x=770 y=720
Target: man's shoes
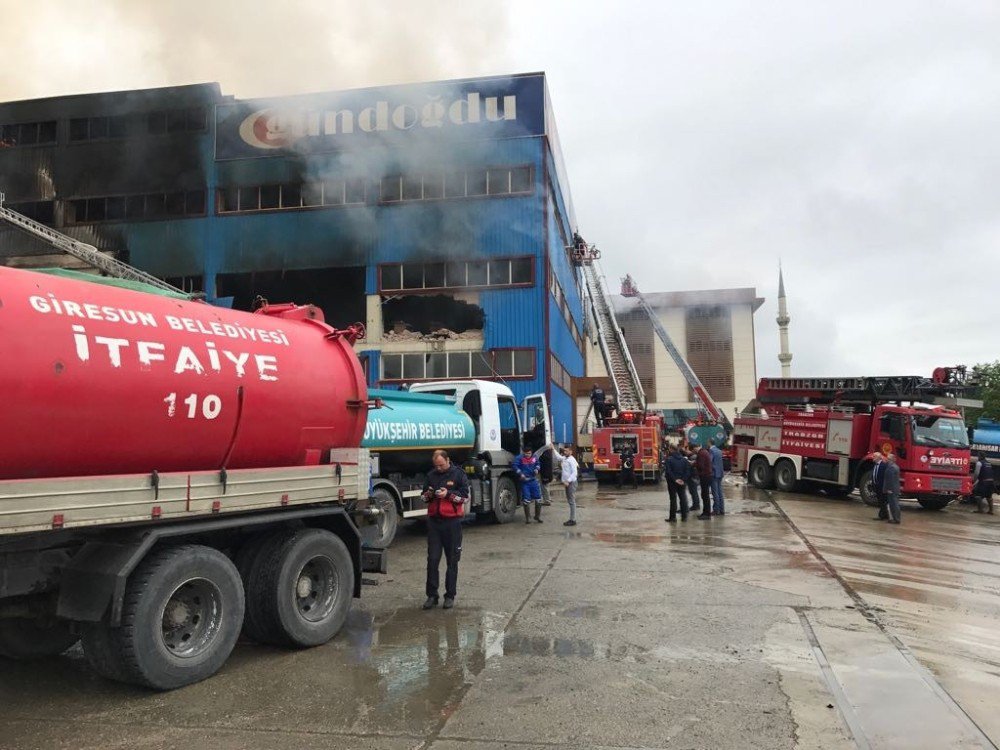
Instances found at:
x=894 y=520
x=448 y=602
x=431 y=603
x=569 y=523
x=537 y=519
x=704 y=517
x=527 y=520
x=695 y=507
x=670 y=520
x=684 y=517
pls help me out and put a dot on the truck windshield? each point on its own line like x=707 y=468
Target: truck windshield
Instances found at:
x=929 y=429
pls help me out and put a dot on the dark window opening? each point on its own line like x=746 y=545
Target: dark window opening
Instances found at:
x=41 y=211
x=270 y=196
x=429 y=314
x=338 y=292
x=189 y=284
x=476 y=182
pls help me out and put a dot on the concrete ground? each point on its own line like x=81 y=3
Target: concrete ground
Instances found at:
x=792 y=622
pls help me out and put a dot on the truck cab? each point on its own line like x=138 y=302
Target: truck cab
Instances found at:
x=931 y=446
x=502 y=427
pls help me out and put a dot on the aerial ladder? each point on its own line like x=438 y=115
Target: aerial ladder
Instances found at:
x=89 y=254
x=701 y=395
x=629 y=395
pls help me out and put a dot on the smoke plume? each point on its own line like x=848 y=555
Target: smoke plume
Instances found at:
x=252 y=49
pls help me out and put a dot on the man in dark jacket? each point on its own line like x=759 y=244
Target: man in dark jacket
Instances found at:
x=446 y=491
x=691 y=454
x=703 y=465
x=597 y=401
x=878 y=482
x=678 y=471
x=984 y=484
x=890 y=487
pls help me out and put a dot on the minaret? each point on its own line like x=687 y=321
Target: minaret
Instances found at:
x=784 y=356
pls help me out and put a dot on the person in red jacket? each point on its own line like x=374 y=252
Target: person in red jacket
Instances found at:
x=446 y=492
x=703 y=465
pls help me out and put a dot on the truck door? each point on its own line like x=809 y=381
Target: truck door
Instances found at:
x=535 y=418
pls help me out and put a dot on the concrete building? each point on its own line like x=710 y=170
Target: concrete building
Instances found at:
x=437 y=213
x=713 y=329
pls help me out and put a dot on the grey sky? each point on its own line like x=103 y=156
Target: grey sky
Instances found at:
x=857 y=141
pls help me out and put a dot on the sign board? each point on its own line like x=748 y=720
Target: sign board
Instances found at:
x=482 y=108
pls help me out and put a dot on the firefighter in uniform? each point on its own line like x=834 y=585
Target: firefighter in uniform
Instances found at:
x=446 y=492
x=527 y=467
x=627 y=471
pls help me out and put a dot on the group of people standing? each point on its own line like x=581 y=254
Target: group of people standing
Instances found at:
x=699 y=470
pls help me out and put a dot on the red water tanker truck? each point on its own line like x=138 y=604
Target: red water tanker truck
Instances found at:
x=172 y=474
x=823 y=432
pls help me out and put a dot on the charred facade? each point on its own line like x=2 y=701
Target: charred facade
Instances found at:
x=436 y=213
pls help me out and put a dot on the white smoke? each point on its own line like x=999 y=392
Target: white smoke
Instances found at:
x=58 y=47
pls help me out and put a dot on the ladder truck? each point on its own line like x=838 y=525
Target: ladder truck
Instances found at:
x=634 y=427
x=822 y=433
x=701 y=395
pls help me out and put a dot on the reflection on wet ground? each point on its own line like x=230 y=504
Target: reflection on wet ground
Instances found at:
x=933 y=581
x=621 y=610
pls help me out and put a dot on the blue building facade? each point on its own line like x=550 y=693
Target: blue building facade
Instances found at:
x=439 y=213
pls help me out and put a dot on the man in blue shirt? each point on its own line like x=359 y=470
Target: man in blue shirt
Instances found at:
x=718 y=471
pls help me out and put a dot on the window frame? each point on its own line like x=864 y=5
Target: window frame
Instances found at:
x=452 y=265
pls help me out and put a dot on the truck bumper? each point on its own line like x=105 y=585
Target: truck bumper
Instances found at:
x=936 y=484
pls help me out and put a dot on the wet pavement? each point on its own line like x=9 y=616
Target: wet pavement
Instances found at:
x=795 y=623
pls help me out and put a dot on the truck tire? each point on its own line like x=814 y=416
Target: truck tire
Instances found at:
x=300 y=588
x=866 y=489
x=246 y=558
x=784 y=476
x=507 y=500
x=181 y=618
x=33 y=639
x=934 y=503
x=381 y=534
x=760 y=474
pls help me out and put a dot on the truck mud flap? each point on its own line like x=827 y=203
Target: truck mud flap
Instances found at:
x=374 y=560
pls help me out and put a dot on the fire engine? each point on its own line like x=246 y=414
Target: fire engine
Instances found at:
x=823 y=433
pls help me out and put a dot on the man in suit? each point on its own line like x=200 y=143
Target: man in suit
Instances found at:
x=890 y=487
x=678 y=470
x=878 y=482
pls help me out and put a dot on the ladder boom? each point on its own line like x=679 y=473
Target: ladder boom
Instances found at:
x=81 y=250
x=614 y=350
x=701 y=394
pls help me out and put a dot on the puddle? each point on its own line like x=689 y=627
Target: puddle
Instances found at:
x=521 y=645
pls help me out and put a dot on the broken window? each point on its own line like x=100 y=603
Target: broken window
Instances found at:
x=391 y=276
x=391 y=188
x=413 y=188
x=433 y=275
x=431 y=314
x=520 y=271
x=338 y=292
x=454 y=185
x=477 y=274
x=291 y=195
x=354 y=191
x=333 y=193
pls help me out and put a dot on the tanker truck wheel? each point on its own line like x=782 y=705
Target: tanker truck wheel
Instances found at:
x=505 y=507
x=33 y=639
x=867 y=489
x=181 y=617
x=300 y=588
x=381 y=534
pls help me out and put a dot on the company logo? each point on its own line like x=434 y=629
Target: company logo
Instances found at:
x=274 y=128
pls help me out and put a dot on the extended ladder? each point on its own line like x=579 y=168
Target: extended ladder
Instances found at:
x=701 y=395
x=81 y=250
x=614 y=350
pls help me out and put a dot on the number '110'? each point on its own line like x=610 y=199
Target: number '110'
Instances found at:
x=211 y=406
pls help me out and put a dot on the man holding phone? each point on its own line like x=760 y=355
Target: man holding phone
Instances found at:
x=446 y=492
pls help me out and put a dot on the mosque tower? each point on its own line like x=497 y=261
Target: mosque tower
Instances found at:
x=784 y=356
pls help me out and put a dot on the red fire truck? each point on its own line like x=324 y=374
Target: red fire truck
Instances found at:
x=641 y=431
x=823 y=432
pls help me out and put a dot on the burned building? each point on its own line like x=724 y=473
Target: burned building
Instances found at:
x=439 y=213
